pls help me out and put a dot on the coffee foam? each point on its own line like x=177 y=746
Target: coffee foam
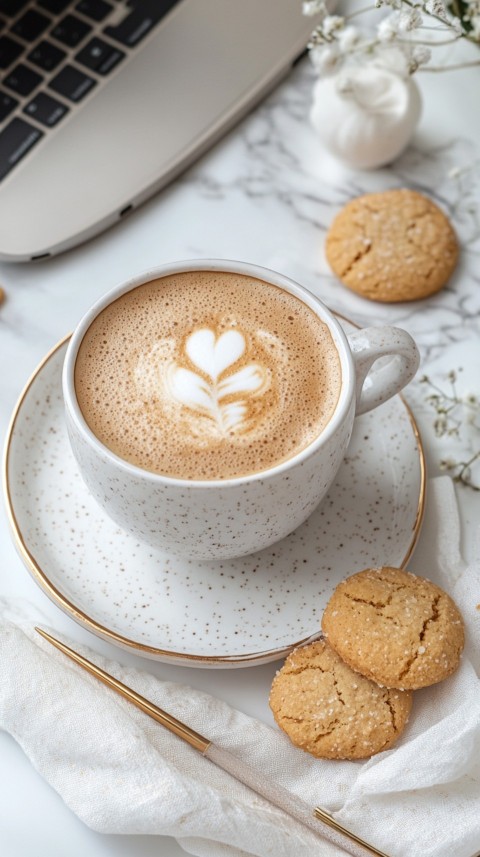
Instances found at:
x=207 y=375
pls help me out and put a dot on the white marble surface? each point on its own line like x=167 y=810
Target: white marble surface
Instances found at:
x=265 y=194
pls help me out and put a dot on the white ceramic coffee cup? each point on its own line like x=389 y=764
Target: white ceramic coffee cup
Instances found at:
x=231 y=517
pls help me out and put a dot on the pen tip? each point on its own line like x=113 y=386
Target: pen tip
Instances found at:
x=42 y=632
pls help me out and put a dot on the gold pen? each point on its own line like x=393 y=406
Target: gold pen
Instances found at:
x=316 y=819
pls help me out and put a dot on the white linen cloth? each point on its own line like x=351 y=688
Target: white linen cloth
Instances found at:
x=121 y=772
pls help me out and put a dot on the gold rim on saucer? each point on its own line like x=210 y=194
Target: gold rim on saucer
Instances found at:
x=97 y=628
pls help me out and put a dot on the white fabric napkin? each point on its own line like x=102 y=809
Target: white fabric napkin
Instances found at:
x=120 y=772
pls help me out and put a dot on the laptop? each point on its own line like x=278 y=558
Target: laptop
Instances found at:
x=102 y=102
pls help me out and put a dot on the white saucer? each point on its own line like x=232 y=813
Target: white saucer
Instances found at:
x=210 y=614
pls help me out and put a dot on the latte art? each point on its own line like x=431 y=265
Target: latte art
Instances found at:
x=210 y=385
x=206 y=375
x=212 y=393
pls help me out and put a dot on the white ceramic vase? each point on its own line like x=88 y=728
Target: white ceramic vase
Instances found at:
x=365 y=116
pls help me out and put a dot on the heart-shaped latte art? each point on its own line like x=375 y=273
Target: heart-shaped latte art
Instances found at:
x=213 y=355
x=223 y=400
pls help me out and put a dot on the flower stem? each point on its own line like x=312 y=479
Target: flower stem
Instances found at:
x=454 y=67
x=430 y=44
x=358 y=12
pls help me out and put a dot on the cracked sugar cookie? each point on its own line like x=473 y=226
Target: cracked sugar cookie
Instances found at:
x=332 y=712
x=394 y=627
x=392 y=246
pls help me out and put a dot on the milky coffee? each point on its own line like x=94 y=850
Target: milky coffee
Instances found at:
x=207 y=375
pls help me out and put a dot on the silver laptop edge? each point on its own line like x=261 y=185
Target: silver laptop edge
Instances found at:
x=202 y=69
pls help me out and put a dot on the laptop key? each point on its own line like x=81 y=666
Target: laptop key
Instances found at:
x=10 y=50
x=140 y=21
x=70 y=31
x=31 y=25
x=7 y=104
x=45 y=109
x=72 y=83
x=99 y=56
x=54 y=6
x=15 y=141
x=95 y=9
x=12 y=7
x=22 y=79
x=46 y=56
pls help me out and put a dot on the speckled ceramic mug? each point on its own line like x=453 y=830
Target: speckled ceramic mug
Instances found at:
x=224 y=518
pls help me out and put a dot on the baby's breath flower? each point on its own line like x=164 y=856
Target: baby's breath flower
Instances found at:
x=399 y=22
x=325 y=58
x=419 y=56
x=410 y=20
x=347 y=38
x=314 y=7
x=440 y=426
x=331 y=24
x=438 y=8
x=387 y=29
x=394 y=4
x=316 y=39
x=403 y=18
x=454 y=414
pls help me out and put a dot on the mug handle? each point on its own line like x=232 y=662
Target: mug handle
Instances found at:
x=376 y=386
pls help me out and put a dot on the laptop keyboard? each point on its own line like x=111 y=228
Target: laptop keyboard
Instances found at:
x=53 y=53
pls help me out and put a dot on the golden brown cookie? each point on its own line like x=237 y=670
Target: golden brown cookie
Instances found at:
x=330 y=711
x=392 y=246
x=398 y=629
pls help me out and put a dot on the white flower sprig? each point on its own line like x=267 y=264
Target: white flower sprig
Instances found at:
x=454 y=413
x=405 y=37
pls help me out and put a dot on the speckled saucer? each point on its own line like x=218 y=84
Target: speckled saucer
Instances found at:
x=227 y=613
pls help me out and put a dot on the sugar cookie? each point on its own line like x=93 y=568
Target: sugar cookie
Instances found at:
x=332 y=712
x=397 y=629
x=392 y=246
